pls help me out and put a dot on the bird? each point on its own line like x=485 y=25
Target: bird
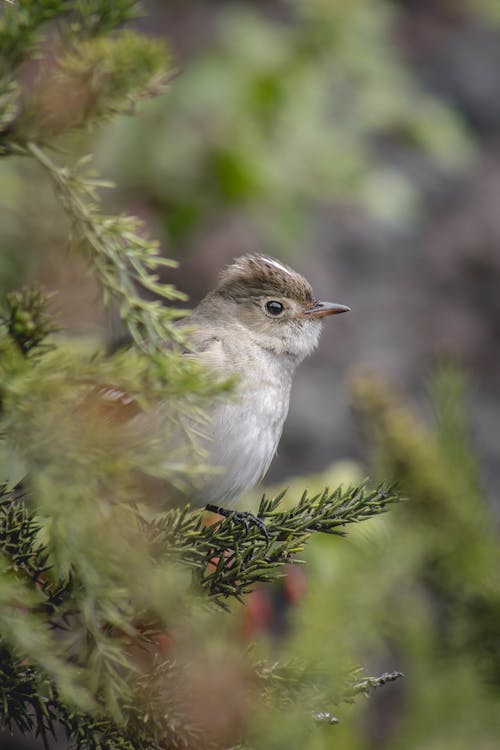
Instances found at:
x=257 y=325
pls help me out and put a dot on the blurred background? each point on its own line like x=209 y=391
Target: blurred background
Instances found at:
x=359 y=141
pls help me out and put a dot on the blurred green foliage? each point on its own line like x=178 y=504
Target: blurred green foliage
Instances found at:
x=89 y=84
x=417 y=589
x=485 y=10
x=423 y=586
x=282 y=118
x=277 y=118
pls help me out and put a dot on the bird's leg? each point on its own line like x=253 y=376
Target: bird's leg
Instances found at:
x=244 y=517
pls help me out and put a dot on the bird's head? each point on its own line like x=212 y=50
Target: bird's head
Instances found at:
x=275 y=303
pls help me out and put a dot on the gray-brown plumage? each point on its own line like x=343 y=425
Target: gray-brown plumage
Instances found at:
x=256 y=275
x=258 y=324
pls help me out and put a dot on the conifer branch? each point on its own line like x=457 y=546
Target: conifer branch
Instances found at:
x=88 y=83
x=122 y=258
x=129 y=67
x=229 y=559
x=26 y=319
x=20 y=24
x=365 y=685
x=30 y=702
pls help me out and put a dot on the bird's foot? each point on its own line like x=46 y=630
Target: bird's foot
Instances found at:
x=243 y=517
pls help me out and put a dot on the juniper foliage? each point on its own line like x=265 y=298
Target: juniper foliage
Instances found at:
x=439 y=464
x=93 y=580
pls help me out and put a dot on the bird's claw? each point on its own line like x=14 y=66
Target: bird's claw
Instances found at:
x=249 y=519
x=243 y=517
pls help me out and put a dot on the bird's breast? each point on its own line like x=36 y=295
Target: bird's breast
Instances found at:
x=246 y=430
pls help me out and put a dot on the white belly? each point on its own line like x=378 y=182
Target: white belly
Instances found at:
x=244 y=440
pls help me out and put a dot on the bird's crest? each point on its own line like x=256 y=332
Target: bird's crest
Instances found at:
x=260 y=275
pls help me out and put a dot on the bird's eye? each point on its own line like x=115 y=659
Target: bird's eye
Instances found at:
x=274 y=307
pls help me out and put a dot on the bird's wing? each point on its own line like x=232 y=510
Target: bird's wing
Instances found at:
x=208 y=349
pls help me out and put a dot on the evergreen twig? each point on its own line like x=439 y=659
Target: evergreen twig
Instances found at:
x=121 y=256
x=26 y=319
x=229 y=559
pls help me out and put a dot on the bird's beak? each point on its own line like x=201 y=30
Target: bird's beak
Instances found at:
x=322 y=309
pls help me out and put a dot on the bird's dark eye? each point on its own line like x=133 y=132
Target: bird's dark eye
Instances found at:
x=274 y=308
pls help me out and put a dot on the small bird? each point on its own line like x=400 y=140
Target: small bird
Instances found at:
x=258 y=324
